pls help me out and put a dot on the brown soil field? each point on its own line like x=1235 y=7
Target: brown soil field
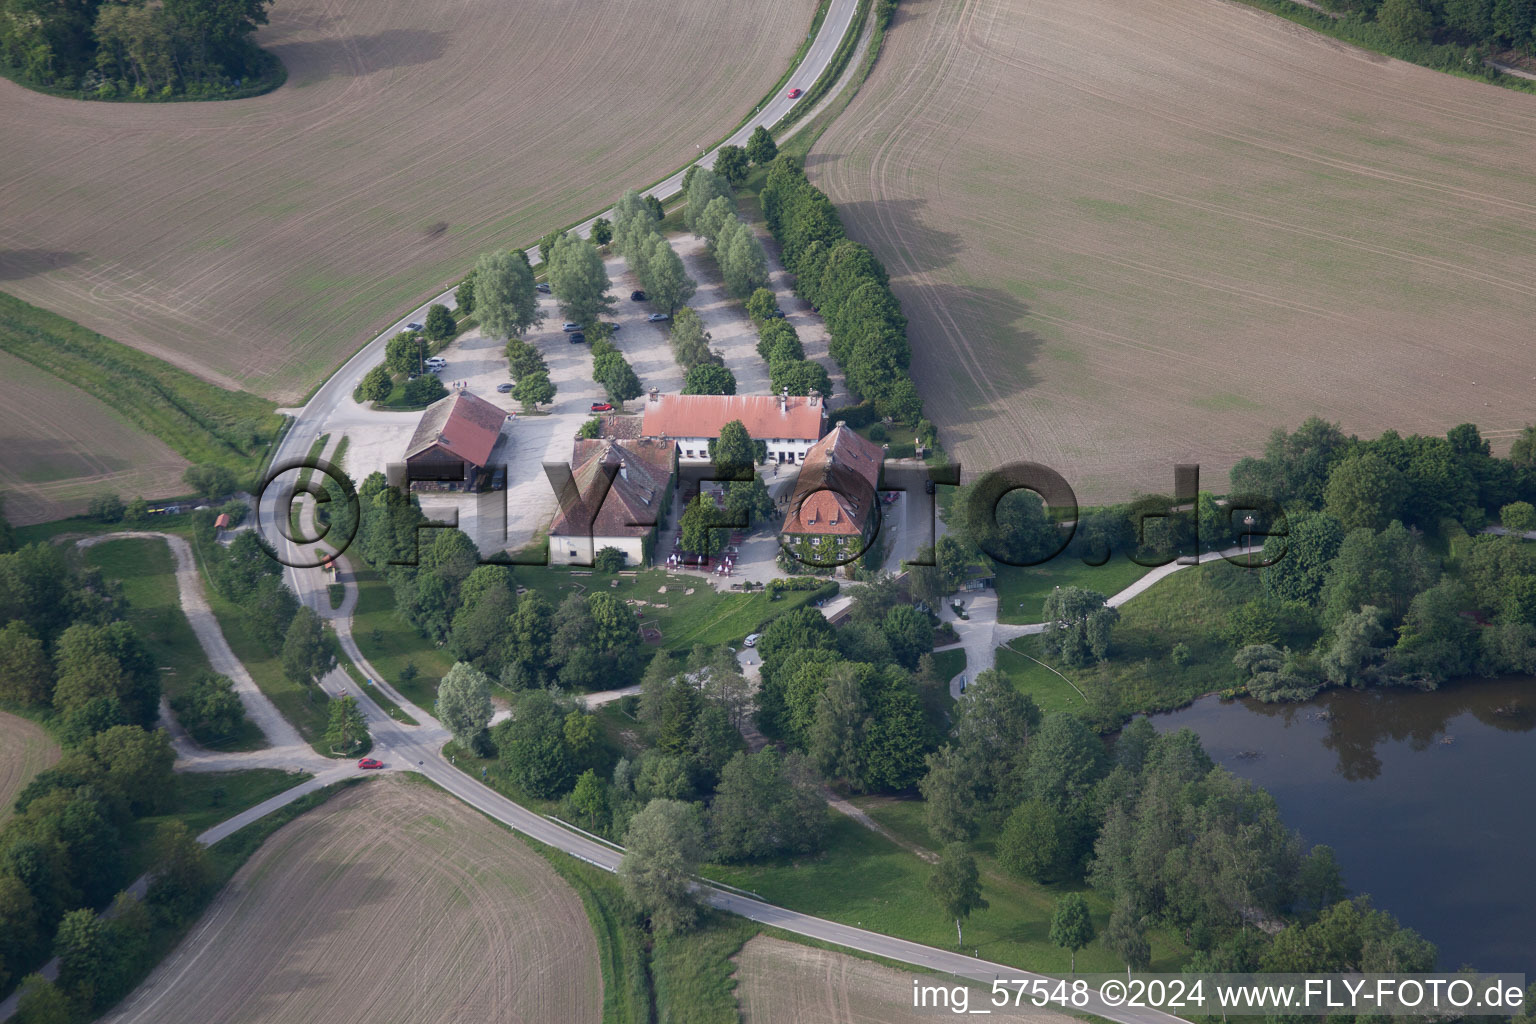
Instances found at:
x=25 y=750
x=779 y=982
x=1132 y=235
x=263 y=240
x=389 y=903
x=60 y=446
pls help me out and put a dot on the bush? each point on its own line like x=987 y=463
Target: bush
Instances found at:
x=878 y=434
x=609 y=560
x=106 y=508
x=424 y=390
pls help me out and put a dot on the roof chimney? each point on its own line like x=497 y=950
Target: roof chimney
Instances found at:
x=624 y=469
x=815 y=397
x=655 y=392
x=842 y=423
x=784 y=400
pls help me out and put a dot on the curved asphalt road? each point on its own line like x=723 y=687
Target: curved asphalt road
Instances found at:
x=418 y=747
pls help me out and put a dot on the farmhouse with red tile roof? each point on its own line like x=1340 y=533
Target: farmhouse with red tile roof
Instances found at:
x=788 y=424
x=596 y=513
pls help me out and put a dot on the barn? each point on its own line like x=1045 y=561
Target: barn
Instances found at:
x=452 y=446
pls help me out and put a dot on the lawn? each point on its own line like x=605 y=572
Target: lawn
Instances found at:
x=147 y=571
x=891 y=896
x=1021 y=592
x=949 y=664
x=201 y=800
x=390 y=644
x=1049 y=690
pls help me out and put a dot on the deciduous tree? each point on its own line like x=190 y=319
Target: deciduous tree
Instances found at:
x=956 y=884
x=505 y=300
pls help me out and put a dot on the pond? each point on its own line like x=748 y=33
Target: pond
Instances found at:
x=1429 y=800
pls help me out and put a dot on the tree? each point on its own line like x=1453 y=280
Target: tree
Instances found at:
x=602 y=231
x=1065 y=759
x=403 y=353
x=743 y=263
x=505 y=300
x=26 y=673
x=547 y=247
x=910 y=634
x=709 y=379
x=106 y=508
x=182 y=874
x=1518 y=517
x=1031 y=845
x=533 y=390
x=81 y=946
x=662 y=849
x=464 y=294
x=376 y=385
x=761 y=305
x=1071 y=926
x=532 y=745
x=307 y=655
x=210 y=481
x=1405 y=21
x=1127 y=935
x=579 y=280
x=761 y=148
x=440 y=324
x=590 y=798
x=345 y=729
x=424 y=390
x=1364 y=490
x=766 y=804
x=613 y=372
x=667 y=282
x=609 y=560
x=733 y=452
x=42 y=1002
x=210 y=709
x=464 y=703
x=1319 y=883
x=957 y=885
x=1078 y=625
x=705 y=187
x=690 y=343
x=732 y=163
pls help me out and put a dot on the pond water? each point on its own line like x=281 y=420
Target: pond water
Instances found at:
x=1429 y=800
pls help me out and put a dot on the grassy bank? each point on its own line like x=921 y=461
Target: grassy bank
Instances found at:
x=198 y=420
x=1021 y=592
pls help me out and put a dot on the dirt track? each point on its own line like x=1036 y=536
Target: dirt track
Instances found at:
x=1130 y=235
x=25 y=750
x=779 y=982
x=390 y=904
x=261 y=240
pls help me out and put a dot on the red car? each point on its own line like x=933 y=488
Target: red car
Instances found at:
x=794 y=94
x=369 y=762
x=602 y=406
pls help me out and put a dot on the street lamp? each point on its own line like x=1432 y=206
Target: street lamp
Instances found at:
x=1248 y=534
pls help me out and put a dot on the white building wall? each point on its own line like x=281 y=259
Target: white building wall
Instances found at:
x=696 y=449
x=581 y=550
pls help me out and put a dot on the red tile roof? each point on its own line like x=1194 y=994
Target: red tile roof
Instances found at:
x=703 y=415
x=463 y=425
x=633 y=500
x=837 y=487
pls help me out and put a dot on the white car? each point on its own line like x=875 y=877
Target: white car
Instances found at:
x=751 y=641
x=657 y=318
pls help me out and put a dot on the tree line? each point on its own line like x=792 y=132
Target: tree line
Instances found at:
x=68 y=655
x=711 y=214
x=163 y=50
x=1451 y=25
x=847 y=285
x=778 y=343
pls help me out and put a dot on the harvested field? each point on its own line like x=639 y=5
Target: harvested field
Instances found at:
x=262 y=240
x=25 y=750
x=391 y=902
x=62 y=446
x=1130 y=235
x=779 y=982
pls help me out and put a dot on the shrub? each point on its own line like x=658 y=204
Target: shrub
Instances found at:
x=440 y=323
x=424 y=390
x=609 y=560
x=106 y=508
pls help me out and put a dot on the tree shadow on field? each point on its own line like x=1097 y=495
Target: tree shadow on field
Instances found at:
x=16 y=264
x=315 y=60
x=343 y=886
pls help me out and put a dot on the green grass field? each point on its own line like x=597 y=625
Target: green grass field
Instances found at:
x=203 y=799
x=390 y=644
x=1021 y=592
x=1049 y=690
x=198 y=420
x=147 y=571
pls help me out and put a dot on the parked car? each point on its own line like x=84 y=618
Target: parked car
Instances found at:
x=751 y=640
x=504 y=388
x=794 y=94
x=369 y=762
x=777 y=314
x=602 y=407
x=657 y=318
x=637 y=296
x=414 y=327
x=569 y=326
x=928 y=486
x=543 y=286
x=578 y=336
x=612 y=327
